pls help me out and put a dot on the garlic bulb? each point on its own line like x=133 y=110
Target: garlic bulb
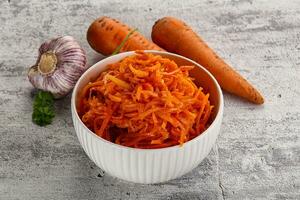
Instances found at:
x=60 y=63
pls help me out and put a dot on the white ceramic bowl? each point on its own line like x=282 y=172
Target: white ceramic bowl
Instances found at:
x=149 y=165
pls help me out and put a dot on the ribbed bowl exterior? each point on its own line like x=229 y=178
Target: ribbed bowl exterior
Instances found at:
x=145 y=165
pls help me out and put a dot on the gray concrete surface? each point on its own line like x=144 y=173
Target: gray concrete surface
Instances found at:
x=257 y=155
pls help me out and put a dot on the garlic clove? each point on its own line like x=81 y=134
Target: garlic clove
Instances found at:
x=60 y=63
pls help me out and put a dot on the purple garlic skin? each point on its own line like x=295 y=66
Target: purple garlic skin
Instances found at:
x=60 y=64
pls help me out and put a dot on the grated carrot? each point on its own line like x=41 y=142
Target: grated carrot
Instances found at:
x=145 y=101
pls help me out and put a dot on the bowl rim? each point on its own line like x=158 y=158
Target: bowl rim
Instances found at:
x=176 y=147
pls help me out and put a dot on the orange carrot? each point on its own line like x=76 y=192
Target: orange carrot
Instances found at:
x=176 y=36
x=106 y=34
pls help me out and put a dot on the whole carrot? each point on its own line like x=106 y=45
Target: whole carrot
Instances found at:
x=106 y=34
x=175 y=36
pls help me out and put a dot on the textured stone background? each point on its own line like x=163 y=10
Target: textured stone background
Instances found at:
x=257 y=155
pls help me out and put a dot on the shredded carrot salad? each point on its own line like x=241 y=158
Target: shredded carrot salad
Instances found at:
x=145 y=101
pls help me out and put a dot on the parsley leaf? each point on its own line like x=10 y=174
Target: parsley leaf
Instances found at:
x=43 y=110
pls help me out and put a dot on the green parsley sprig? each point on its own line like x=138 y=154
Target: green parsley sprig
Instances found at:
x=43 y=109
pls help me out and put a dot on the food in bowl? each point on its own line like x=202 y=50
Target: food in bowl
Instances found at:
x=145 y=101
